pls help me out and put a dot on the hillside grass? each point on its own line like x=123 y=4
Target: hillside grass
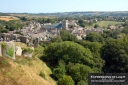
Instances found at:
x=24 y=71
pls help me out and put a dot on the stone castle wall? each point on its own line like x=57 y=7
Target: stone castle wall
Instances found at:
x=7 y=49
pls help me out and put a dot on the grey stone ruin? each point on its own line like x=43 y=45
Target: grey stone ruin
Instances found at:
x=0 y=50
x=7 y=49
x=36 y=42
x=18 y=51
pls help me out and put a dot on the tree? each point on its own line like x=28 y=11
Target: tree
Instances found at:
x=95 y=48
x=111 y=33
x=115 y=54
x=125 y=30
x=82 y=82
x=67 y=51
x=42 y=20
x=65 y=80
x=79 y=72
x=96 y=26
x=60 y=70
x=94 y=37
x=70 y=58
x=81 y=23
x=50 y=20
x=2 y=28
x=14 y=25
x=66 y=36
x=125 y=24
x=4 y=31
x=71 y=26
x=56 y=39
x=23 y=18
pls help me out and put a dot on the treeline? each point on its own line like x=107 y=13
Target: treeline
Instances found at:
x=83 y=23
x=4 y=14
x=89 y=13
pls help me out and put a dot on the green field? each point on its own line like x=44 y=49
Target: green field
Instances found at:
x=106 y=23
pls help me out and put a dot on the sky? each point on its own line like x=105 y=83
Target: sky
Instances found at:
x=53 y=6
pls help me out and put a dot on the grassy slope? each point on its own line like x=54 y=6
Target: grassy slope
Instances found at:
x=24 y=71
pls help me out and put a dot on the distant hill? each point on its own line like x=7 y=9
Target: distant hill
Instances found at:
x=71 y=14
x=4 y=14
x=93 y=13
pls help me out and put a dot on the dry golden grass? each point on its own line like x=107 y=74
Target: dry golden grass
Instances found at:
x=24 y=71
x=8 y=18
x=18 y=74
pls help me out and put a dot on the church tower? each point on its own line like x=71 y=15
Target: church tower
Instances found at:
x=65 y=25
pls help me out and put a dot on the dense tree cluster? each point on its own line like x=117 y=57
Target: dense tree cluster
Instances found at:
x=83 y=23
x=115 y=53
x=70 y=58
x=23 y=18
x=94 y=37
x=74 y=59
x=47 y=20
x=12 y=25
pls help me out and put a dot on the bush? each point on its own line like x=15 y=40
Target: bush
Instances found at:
x=27 y=50
x=66 y=80
x=10 y=51
x=82 y=82
x=42 y=74
x=4 y=45
x=4 y=31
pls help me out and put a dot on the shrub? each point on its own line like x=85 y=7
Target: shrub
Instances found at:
x=4 y=45
x=66 y=80
x=10 y=51
x=42 y=74
x=27 y=50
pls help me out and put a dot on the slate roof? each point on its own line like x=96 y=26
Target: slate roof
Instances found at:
x=56 y=25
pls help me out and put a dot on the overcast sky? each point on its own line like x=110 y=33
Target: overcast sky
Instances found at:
x=50 y=6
